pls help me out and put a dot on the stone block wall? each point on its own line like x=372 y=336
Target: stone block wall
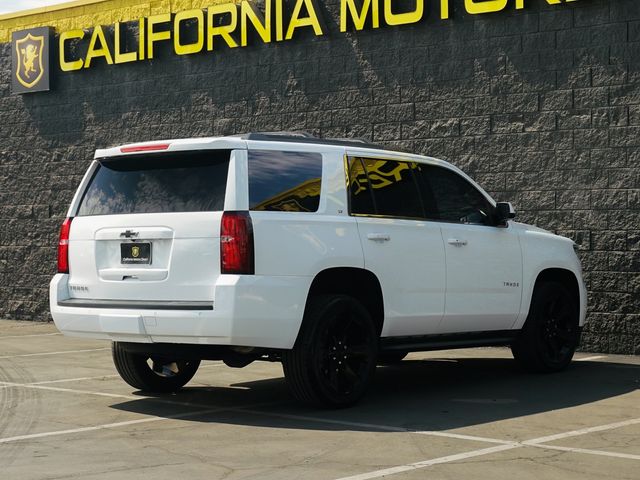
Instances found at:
x=541 y=106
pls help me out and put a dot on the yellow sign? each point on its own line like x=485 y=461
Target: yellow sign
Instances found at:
x=359 y=13
x=30 y=69
x=30 y=60
x=231 y=25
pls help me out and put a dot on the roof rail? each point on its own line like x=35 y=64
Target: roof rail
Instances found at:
x=364 y=141
x=305 y=137
x=276 y=135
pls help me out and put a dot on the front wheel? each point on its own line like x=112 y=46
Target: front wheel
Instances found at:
x=334 y=358
x=151 y=373
x=550 y=335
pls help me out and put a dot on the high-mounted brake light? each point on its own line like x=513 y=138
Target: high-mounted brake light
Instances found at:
x=236 y=243
x=63 y=246
x=145 y=148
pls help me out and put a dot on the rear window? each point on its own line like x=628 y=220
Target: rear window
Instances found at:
x=180 y=182
x=284 y=181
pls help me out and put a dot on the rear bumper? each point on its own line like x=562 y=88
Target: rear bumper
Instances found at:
x=256 y=311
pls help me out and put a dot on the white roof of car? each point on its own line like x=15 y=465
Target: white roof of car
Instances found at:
x=243 y=142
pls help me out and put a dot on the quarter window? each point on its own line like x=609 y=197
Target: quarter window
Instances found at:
x=284 y=181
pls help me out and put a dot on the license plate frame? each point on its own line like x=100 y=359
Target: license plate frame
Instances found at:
x=135 y=253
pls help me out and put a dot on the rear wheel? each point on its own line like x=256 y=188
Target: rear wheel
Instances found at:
x=550 y=335
x=334 y=359
x=151 y=373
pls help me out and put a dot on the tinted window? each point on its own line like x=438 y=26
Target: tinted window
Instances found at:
x=394 y=189
x=360 y=194
x=456 y=198
x=158 y=183
x=421 y=173
x=392 y=184
x=284 y=181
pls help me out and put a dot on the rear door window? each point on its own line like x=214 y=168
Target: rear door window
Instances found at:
x=384 y=187
x=284 y=181
x=176 y=182
x=360 y=194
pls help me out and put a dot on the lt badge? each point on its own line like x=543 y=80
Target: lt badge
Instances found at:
x=30 y=60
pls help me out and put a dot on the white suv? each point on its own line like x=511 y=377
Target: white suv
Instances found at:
x=330 y=256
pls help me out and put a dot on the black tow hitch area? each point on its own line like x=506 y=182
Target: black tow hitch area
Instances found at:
x=232 y=356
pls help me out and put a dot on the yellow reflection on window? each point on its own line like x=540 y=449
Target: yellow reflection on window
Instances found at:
x=296 y=199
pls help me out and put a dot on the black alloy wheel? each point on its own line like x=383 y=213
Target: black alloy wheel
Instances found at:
x=558 y=330
x=550 y=335
x=335 y=356
x=151 y=373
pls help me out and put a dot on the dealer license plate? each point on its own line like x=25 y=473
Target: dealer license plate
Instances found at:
x=135 y=253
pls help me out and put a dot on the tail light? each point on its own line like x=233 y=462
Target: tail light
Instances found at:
x=63 y=246
x=236 y=243
x=145 y=148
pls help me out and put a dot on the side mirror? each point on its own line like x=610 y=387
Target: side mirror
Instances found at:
x=505 y=211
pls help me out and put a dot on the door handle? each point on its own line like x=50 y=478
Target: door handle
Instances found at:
x=457 y=242
x=379 y=237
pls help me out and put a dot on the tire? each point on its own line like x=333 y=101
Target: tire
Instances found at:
x=314 y=371
x=391 y=357
x=162 y=376
x=550 y=334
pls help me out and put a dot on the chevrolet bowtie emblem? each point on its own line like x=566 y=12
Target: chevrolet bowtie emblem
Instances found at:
x=129 y=234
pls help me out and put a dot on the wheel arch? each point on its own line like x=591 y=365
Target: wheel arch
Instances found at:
x=566 y=277
x=561 y=275
x=359 y=283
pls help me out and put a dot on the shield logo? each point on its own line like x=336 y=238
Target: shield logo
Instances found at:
x=30 y=69
x=135 y=252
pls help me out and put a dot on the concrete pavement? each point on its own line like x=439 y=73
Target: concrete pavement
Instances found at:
x=64 y=413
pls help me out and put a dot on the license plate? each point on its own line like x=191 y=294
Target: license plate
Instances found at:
x=135 y=253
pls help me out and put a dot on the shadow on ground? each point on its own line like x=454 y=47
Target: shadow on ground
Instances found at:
x=433 y=394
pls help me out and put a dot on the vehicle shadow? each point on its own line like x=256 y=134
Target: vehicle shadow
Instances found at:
x=431 y=394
